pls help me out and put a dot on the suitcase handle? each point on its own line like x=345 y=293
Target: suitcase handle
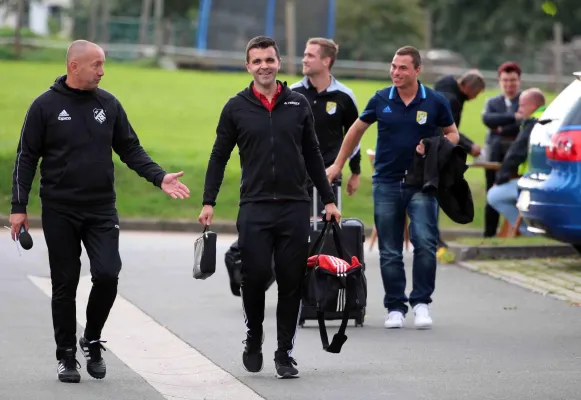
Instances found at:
x=335 y=185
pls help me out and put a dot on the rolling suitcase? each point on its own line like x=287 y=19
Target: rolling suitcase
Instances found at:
x=353 y=232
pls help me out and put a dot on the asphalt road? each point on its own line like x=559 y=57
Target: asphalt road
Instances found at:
x=491 y=340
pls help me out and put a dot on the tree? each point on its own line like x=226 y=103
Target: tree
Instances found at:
x=372 y=30
x=146 y=6
x=17 y=7
x=488 y=33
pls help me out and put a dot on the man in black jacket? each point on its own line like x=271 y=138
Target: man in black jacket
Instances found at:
x=273 y=128
x=502 y=118
x=73 y=127
x=333 y=104
x=458 y=91
x=504 y=193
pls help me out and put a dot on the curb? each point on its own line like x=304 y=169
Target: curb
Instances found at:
x=466 y=253
x=531 y=288
x=142 y=224
x=224 y=227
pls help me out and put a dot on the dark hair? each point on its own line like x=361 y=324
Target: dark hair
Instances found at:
x=508 y=67
x=261 y=42
x=473 y=79
x=410 y=51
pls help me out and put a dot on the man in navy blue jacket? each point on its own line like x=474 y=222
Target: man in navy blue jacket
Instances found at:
x=503 y=120
x=406 y=113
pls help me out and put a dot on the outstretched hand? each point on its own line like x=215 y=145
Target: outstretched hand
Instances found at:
x=172 y=186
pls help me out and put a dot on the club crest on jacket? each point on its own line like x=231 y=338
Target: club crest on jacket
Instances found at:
x=99 y=115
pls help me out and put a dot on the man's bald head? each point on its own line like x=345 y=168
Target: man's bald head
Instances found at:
x=80 y=48
x=536 y=95
x=530 y=100
x=85 y=62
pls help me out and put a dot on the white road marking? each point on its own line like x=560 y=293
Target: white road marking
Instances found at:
x=168 y=364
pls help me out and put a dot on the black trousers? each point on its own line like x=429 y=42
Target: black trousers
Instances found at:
x=491 y=216
x=279 y=228
x=64 y=230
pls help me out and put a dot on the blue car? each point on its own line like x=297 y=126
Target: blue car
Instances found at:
x=550 y=192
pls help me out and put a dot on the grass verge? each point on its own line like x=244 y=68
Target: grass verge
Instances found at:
x=558 y=277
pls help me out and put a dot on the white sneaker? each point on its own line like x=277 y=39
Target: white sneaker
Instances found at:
x=394 y=320
x=423 y=319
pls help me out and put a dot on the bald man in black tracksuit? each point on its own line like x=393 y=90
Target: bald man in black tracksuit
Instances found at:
x=74 y=127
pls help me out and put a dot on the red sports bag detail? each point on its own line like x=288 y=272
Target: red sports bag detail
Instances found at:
x=334 y=285
x=333 y=264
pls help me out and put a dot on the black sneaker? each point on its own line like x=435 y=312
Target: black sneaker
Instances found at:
x=285 y=369
x=92 y=351
x=252 y=356
x=67 y=368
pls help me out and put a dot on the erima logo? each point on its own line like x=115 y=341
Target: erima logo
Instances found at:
x=64 y=116
x=293 y=103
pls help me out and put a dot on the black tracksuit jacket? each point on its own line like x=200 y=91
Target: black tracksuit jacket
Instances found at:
x=277 y=149
x=74 y=132
x=449 y=87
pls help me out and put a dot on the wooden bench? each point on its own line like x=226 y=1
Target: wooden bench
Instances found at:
x=506 y=229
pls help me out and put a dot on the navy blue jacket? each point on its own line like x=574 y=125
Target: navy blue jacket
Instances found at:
x=496 y=115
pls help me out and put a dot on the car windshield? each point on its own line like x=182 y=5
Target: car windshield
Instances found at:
x=573 y=117
x=557 y=110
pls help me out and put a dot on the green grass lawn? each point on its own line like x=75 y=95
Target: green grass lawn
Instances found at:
x=179 y=133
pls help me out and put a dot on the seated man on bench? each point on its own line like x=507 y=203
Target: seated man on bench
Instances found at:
x=504 y=194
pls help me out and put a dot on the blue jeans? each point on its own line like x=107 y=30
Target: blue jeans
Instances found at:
x=391 y=202
x=503 y=199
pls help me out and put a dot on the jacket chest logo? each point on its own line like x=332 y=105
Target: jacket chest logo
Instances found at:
x=331 y=107
x=64 y=116
x=99 y=115
x=421 y=117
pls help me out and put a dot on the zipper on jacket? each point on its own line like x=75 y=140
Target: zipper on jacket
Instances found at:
x=272 y=155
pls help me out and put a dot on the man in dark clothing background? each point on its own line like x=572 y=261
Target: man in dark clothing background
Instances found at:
x=503 y=195
x=458 y=91
x=502 y=118
x=274 y=129
x=333 y=104
x=73 y=127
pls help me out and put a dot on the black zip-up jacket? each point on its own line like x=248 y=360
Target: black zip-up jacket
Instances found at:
x=74 y=132
x=517 y=153
x=441 y=172
x=335 y=110
x=277 y=149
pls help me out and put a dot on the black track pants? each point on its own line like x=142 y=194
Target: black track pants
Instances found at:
x=280 y=229
x=64 y=230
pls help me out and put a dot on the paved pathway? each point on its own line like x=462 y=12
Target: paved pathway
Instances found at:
x=172 y=337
